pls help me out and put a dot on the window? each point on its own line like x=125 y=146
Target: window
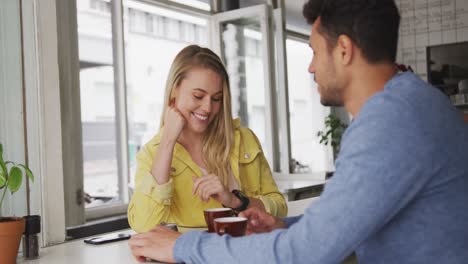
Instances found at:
x=306 y=114
x=97 y=103
x=153 y=36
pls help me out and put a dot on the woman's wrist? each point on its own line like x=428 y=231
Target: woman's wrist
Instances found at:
x=255 y=202
x=235 y=202
x=231 y=200
x=166 y=141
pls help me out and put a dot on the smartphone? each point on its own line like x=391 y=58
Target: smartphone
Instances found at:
x=107 y=239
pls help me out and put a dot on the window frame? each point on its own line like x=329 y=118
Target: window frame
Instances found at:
x=43 y=121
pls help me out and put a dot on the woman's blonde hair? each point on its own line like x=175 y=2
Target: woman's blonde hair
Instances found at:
x=218 y=140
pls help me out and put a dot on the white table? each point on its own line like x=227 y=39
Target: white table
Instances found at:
x=294 y=187
x=77 y=252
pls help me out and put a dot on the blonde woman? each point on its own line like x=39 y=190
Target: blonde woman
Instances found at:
x=201 y=158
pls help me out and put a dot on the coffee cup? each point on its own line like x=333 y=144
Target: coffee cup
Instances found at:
x=234 y=226
x=213 y=213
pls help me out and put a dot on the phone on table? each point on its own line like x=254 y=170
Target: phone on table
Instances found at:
x=107 y=239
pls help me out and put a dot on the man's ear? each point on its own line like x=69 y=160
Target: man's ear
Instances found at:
x=345 y=48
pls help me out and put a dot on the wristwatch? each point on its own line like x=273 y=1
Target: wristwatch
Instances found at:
x=244 y=200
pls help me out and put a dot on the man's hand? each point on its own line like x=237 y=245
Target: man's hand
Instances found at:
x=261 y=222
x=157 y=244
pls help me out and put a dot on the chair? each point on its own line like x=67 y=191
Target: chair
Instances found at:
x=297 y=207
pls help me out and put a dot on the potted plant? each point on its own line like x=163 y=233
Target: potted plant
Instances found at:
x=11 y=228
x=334 y=129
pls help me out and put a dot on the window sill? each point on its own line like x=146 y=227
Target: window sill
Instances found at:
x=97 y=227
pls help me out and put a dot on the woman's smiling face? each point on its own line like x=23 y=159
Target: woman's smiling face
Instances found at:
x=199 y=98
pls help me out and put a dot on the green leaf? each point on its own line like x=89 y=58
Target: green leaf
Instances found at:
x=3 y=169
x=28 y=172
x=2 y=179
x=1 y=151
x=14 y=182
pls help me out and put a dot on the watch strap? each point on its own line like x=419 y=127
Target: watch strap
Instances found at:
x=245 y=201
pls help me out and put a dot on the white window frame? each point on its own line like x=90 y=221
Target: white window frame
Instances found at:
x=284 y=140
x=43 y=122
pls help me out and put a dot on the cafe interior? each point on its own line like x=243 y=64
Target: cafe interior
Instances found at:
x=82 y=84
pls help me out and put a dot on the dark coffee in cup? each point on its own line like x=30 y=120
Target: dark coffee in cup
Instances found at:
x=234 y=226
x=213 y=213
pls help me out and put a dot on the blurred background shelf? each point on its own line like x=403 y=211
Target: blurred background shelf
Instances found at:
x=463 y=107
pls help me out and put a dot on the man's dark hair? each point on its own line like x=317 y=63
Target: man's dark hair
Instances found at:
x=371 y=24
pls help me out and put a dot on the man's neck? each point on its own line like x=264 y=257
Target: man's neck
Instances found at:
x=366 y=80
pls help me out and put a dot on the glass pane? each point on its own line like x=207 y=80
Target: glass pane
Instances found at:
x=242 y=53
x=306 y=113
x=153 y=37
x=97 y=102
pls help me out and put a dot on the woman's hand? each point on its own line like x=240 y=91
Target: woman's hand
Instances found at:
x=211 y=186
x=174 y=123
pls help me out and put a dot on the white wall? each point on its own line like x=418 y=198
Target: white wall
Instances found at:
x=11 y=98
x=427 y=23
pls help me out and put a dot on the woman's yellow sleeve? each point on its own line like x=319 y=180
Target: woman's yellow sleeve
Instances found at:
x=272 y=199
x=151 y=202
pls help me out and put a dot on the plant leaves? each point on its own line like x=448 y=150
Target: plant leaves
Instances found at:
x=2 y=179
x=1 y=151
x=3 y=169
x=28 y=172
x=15 y=178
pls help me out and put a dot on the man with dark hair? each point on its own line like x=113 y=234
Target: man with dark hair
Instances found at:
x=400 y=190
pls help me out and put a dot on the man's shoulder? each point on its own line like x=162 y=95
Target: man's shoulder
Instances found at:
x=411 y=88
x=404 y=96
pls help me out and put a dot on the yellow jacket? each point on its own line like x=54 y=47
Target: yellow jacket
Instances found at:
x=173 y=201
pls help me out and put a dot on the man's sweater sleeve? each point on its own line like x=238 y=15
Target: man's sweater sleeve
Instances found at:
x=291 y=220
